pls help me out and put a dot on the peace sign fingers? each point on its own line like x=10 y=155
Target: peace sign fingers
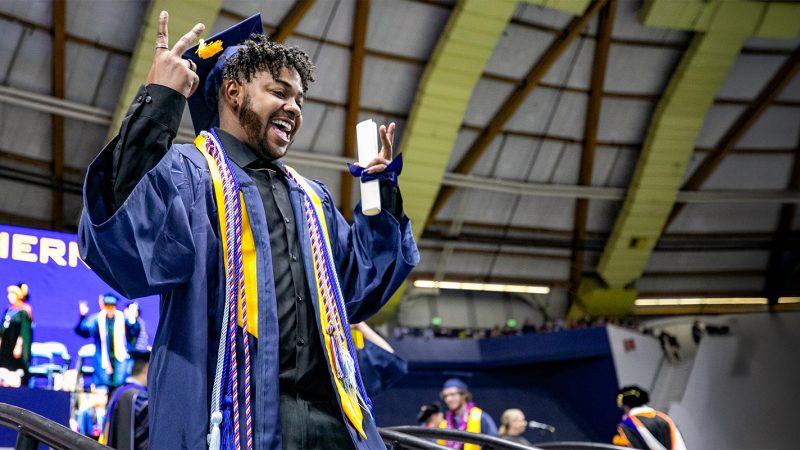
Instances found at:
x=168 y=68
x=187 y=39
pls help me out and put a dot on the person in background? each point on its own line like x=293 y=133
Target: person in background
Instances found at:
x=91 y=419
x=642 y=426
x=512 y=425
x=135 y=328
x=107 y=327
x=127 y=427
x=380 y=367
x=462 y=414
x=430 y=415
x=16 y=334
x=697 y=332
x=135 y=333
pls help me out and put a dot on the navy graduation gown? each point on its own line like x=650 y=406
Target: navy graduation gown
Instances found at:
x=164 y=240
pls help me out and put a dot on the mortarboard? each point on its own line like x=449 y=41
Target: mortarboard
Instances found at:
x=109 y=299
x=210 y=58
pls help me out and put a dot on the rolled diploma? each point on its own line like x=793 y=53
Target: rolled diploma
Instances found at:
x=367 y=138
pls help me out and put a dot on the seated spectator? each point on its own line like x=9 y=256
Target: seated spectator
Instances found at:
x=462 y=414
x=126 y=427
x=92 y=419
x=512 y=425
x=697 y=332
x=430 y=415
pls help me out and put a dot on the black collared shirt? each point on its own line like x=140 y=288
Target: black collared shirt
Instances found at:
x=303 y=370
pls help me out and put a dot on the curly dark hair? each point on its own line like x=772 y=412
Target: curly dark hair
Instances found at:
x=260 y=54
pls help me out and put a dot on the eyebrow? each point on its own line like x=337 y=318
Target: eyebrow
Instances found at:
x=289 y=86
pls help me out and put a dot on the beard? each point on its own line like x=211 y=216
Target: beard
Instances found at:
x=257 y=131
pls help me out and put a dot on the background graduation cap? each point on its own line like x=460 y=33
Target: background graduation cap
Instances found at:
x=210 y=60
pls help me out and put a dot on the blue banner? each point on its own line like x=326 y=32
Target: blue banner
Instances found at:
x=49 y=263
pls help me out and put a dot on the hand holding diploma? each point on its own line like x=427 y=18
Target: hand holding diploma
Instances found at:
x=373 y=161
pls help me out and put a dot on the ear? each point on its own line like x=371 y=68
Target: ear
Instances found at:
x=232 y=93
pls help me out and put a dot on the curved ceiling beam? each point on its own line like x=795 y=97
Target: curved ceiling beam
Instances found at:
x=514 y=100
x=750 y=116
x=721 y=28
x=456 y=65
x=183 y=14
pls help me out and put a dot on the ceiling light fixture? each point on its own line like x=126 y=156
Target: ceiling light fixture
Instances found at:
x=489 y=287
x=700 y=301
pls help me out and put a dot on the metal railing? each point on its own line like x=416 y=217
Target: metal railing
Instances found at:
x=580 y=446
x=485 y=441
x=34 y=429
x=490 y=442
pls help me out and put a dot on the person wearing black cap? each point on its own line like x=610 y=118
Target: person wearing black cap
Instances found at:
x=430 y=415
x=126 y=424
x=642 y=426
x=108 y=328
x=258 y=273
x=462 y=414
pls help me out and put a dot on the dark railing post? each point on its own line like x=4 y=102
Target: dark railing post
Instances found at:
x=25 y=441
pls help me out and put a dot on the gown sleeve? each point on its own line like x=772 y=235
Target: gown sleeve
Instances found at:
x=134 y=230
x=373 y=256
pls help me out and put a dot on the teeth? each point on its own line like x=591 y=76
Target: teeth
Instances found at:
x=284 y=125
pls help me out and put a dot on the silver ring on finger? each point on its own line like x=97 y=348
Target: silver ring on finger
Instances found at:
x=161 y=45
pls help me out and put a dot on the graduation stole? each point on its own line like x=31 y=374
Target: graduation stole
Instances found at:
x=240 y=286
x=338 y=343
x=120 y=343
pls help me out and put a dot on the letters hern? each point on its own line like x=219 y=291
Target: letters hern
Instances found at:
x=23 y=247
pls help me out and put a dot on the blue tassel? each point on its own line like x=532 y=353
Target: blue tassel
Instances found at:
x=226 y=430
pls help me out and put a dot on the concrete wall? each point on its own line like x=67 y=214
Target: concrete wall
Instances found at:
x=744 y=388
x=637 y=357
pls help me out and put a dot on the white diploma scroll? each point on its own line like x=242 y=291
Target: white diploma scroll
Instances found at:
x=367 y=138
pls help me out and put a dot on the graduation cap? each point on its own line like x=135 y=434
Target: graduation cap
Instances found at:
x=109 y=299
x=210 y=57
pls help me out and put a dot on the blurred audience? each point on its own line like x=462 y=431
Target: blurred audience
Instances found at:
x=511 y=328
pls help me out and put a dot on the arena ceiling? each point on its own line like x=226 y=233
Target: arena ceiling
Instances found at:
x=606 y=149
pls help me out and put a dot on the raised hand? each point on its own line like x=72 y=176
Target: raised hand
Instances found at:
x=168 y=68
x=385 y=154
x=83 y=307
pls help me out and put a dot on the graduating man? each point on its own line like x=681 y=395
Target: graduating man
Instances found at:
x=462 y=414
x=108 y=328
x=258 y=273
